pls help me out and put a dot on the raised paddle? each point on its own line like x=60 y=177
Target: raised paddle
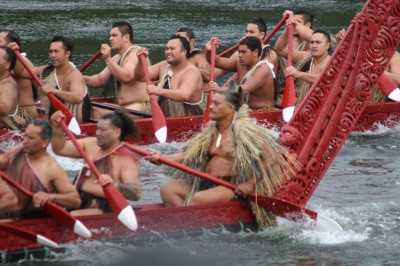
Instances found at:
x=159 y=122
x=277 y=27
x=28 y=235
x=70 y=119
x=210 y=92
x=90 y=61
x=265 y=41
x=389 y=88
x=61 y=215
x=289 y=94
x=276 y=206
x=117 y=201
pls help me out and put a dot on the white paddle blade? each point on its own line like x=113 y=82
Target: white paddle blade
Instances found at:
x=288 y=113
x=395 y=95
x=81 y=229
x=324 y=223
x=128 y=218
x=74 y=126
x=161 y=134
x=45 y=241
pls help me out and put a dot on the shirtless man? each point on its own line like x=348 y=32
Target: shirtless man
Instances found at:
x=180 y=85
x=309 y=72
x=38 y=171
x=255 y=76
x=62 y=79
x=8 y=91
x=116 y=163
x=26 y=99
x=196 y=57
x=215 y=151
x=118 y=74
x=303 y=24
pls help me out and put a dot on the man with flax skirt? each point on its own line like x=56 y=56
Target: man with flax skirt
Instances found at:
x=234 y=149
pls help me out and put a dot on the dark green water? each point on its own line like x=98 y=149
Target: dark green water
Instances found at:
x=360 y=191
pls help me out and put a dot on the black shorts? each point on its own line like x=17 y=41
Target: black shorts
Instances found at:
x=205 y=184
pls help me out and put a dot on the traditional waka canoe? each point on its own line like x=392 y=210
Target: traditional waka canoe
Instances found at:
x=374 y=116
x=336 y=104
x=153 y=220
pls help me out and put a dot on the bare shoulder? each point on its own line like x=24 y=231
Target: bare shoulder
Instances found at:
x=89 y=143
x=8 y=83
x=74 y=74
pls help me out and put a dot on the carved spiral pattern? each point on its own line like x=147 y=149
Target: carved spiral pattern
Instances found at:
x=347 y=85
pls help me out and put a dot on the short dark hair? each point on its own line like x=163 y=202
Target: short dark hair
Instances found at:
x=252 y=43
x=188 y=31
x=261 y=25
x=307 y=16
x=121 y=120
x=46 y=131
x=12 y=36
x=327 y=37
x=185 y=44
x=9 y=56
x=67 y=43
x=125 y=28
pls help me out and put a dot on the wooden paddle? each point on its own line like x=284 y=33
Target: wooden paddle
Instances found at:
x=389 y=88
x=265 y=41
x=206 y=118
x=61 y=215
x=289 y=94
x=159 y=122
x=90 y=61
x=276 y=206
x=115 y=107
x=117 y=201
x=70 y=119
x=28 y=235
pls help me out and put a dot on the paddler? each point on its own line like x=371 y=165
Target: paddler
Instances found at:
x=39 y=172
x=179 y=83
x=116 y=163
x=62 y=79
x=117 y=77
x=232 y=148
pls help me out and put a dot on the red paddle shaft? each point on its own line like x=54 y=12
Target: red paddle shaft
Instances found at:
x=90 y=61
x=210 y=92
x=54 y=210
x=117 y=201
x=158 y=118
x=276 y=206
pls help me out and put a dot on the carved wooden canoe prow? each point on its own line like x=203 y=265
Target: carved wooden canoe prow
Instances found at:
x=324 y=120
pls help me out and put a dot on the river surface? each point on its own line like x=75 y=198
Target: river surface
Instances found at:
x=360 y=190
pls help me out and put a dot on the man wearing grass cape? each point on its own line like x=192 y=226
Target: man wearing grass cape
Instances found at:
x=234 y=148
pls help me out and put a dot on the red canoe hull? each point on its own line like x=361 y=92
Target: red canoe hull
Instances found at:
x=153 y=220
x=182 y=128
